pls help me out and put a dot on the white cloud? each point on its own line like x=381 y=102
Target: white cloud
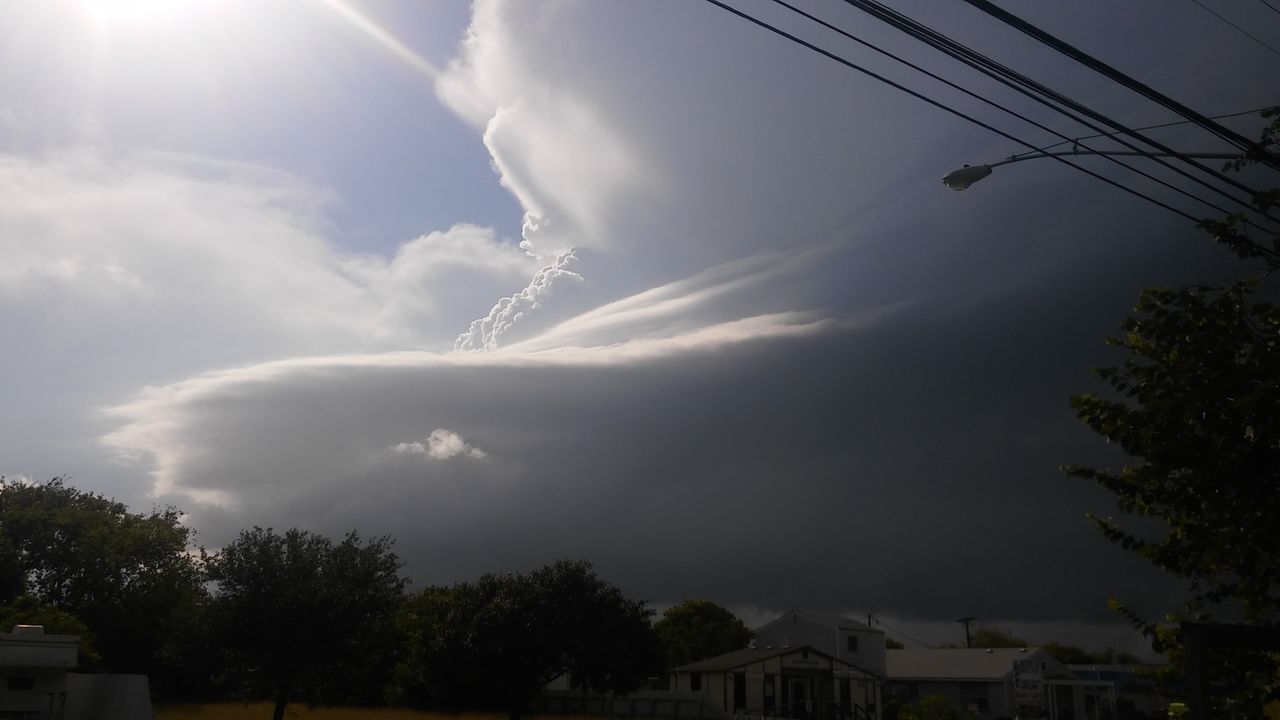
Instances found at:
x=441 y=444
x=224 y=255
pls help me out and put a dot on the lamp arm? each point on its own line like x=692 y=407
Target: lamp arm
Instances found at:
x=1114 y=153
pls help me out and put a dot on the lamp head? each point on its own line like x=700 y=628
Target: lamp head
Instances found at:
x=964 y=177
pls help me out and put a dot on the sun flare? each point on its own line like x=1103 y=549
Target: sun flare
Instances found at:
x=144 y=14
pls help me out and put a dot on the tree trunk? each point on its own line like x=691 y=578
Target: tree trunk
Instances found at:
x=282 y=701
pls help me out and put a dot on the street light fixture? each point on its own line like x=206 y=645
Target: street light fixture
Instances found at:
x=969 y=174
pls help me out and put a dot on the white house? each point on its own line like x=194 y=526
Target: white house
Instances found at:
x=1000 y=683
x=843 y=638
x=781 y=682
x=37 y=682
x=34 y=667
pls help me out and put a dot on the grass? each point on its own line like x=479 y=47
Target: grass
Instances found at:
x=299 y=711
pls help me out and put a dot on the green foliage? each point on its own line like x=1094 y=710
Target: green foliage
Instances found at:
x=1196 y=404
x=934 y=707
x=494 y=643
x=1073 y=655
x=1198 y=398
x=300 y=613
x=697 y=629
x=27 y=610
x=126 y=576
x=988 y=637
x=891 y=644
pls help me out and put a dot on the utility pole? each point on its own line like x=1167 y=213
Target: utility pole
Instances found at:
x=966 y=621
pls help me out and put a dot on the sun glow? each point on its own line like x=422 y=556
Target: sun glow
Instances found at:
x=144 y=14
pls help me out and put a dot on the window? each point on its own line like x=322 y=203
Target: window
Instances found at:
x=769 y=689
x=739 y=691
x=695 y=681
x=20 y=682
x=851 y=643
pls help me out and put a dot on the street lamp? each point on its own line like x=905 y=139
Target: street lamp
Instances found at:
x=969 y=174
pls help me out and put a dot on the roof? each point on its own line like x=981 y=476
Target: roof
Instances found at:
x=746 y=656
x=991 y=664
x=832 y=621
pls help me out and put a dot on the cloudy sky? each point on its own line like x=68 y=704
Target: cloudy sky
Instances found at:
x=635 y=282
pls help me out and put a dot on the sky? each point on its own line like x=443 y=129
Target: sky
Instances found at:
x=639 y=283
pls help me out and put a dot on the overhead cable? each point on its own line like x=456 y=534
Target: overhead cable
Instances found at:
x=1251 y=147
x=1044 y=95
x=1238 y=29
x=1014 y=113
x=939 y=105
x=1147 y=127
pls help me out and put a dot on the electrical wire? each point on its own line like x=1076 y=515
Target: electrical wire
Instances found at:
x=939 y=105
x=1238 y=29
x=1020 y=116
x=1252 y=148
x=1144 y=127
x=1270 y=7
x=1043 y=94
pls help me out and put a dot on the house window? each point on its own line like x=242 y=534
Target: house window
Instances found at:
x=769 y=690
x=851 y=643
x=695 y=681
x=739 y=691
x=21 y=682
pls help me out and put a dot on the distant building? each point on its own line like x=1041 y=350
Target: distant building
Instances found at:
x=34 y=667
x=1000 y=683
x=843 y=638
x=1137 y=692
x=782 y=682
x=37 y=682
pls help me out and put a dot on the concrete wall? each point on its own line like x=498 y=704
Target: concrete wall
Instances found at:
x=108 y=697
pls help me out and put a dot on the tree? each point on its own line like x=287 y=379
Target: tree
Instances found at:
x=891 y=644
x=1073 y=655
x=495 y=643
x=1194 y=403
x=697 y=629
x=299 y=613
x=126 y=576
x=989 y=637
x=934 y=707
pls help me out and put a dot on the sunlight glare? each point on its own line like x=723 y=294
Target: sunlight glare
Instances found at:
x=143 y=14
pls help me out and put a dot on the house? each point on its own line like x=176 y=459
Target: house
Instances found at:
x=37 y=682
x=34 y=667
x=999 y=683
x=785 y=681
x=843 y=638
x=1137 y=691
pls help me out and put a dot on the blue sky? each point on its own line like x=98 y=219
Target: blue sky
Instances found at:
x=635 y=282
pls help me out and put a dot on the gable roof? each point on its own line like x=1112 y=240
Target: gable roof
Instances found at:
x=956 y=664
x=838 y=622
x=746 y=656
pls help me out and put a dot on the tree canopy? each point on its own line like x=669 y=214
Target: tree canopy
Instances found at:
x=499 y=640
x=697 y=629
x=126 y=576
x=299 y=613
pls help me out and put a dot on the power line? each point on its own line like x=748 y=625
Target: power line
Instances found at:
x=1097 y=65
x=1145 y=127
x=1043 y=94
x=1020 y=116
x=896 y=631
x=1239 y=29
x=1270 y=7
x=941 y=106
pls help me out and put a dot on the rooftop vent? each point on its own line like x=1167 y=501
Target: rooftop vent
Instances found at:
x=989 y=651
x=1023 y=650
x=28 y=629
